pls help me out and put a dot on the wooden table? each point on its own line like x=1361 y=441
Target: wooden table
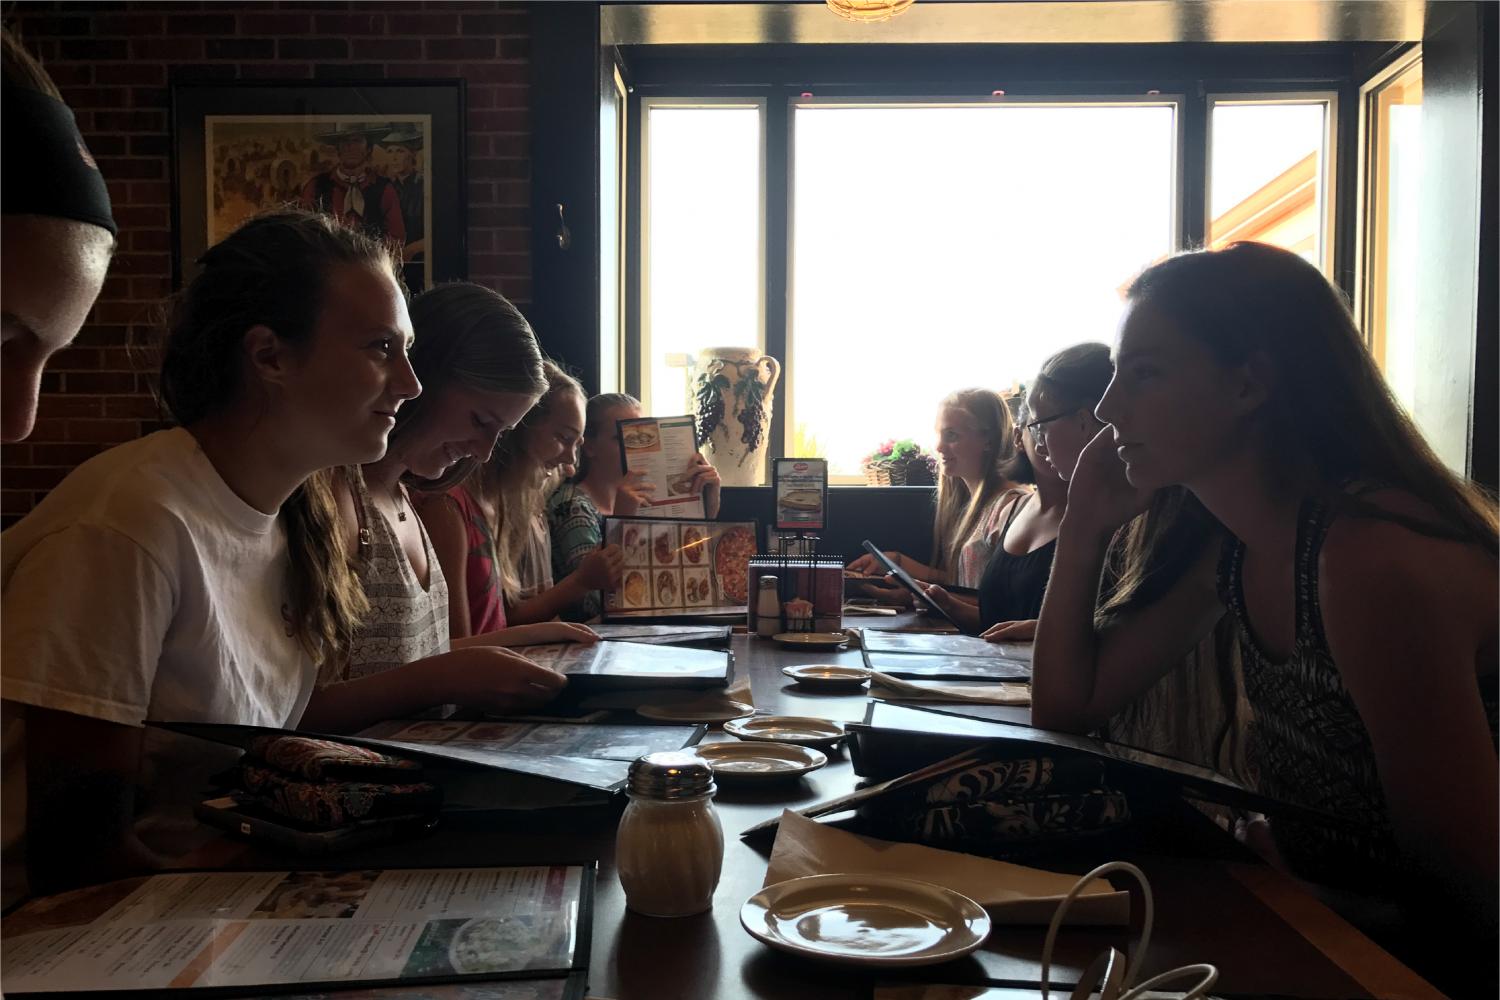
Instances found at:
x=1266 y=935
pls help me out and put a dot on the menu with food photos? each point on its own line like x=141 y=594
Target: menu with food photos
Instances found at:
x=677 y=568
x=663 y=449
x=801 y=486
x=259 y=930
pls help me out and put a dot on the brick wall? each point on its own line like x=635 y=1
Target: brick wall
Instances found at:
x=113 y=62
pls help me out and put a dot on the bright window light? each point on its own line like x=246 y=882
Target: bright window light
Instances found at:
x=702 y=242
x=937 y=248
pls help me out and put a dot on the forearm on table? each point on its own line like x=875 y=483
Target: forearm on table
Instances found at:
x=351 y=705
x=1065 y=656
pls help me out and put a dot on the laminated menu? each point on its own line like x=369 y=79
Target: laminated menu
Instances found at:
x=944 y=657
x=547 y=739
x=663 y=450
x=630 y=665
x=277 y=929
x=667 y=635
x=680 y=568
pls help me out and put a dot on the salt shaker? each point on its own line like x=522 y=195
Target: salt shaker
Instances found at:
x=768 y=607
x=670 y=847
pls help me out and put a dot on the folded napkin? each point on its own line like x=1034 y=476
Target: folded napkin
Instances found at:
x=1013 y=894
x=895 y=689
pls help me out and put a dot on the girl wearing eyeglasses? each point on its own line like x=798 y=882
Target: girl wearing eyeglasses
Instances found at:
x=1057 y=422
x=1287 y=488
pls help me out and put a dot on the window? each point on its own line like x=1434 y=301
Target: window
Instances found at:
x=1392 y=130
x=701 y=240
x=1270 y=173
x=930 y=244
x=939 y=247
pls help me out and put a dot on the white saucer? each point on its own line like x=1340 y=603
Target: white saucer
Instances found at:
x=868 y=920
x=800 y=730
x=692 y=711
x=812 y=640
x=759 y=762
x=828 y=676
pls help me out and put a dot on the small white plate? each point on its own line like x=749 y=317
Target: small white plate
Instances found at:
x=812 y=640
x=800 y=730
x=692 y=711
x=869 y=920
x=828 y=676
x=759 y=762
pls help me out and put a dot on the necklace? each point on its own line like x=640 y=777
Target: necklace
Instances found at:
x=401 y=498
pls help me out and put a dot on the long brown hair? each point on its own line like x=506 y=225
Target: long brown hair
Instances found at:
x=958 y=508
x=1329 y=411
x=469 y=335
x=513 y=486
x=272 y=272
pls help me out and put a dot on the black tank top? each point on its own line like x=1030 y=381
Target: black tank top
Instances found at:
x=1012 y=586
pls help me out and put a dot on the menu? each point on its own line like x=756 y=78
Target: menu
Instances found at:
x=663 y=448
x=891 y=641
x=938 y=666
x=801 y=493
x=260 y=929
x=599 y=742
x=605 y=665
x=666 y=635
x=677 y=568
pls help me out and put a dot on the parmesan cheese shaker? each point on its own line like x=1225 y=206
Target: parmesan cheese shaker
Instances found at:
x=670 y=847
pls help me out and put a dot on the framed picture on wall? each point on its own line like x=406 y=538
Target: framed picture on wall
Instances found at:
x=387 y=157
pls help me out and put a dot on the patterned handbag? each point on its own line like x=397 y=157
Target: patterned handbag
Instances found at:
x=326 y=785
x=1003 y=805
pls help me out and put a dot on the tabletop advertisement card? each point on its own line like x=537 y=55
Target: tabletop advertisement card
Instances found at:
x=663 y=449
x=801 y=486
x=679 y=568
x=233 y=931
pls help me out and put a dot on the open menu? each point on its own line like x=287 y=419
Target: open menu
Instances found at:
x=663 y=449
x=595 y=742
x=524 y=775
x=941 y=644
x=667 y=635
x=939 y=666
x=256 y=930
x=680 y=568
x=631 y=665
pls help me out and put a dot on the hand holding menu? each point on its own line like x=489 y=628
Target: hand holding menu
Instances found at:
x=663 y=450
x=904 y=578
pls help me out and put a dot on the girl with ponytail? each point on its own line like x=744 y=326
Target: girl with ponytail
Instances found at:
x=195 y=575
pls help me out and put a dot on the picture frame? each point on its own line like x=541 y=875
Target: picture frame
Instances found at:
x=241 y=147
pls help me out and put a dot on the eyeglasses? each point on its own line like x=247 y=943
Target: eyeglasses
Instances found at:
x=1038 y=427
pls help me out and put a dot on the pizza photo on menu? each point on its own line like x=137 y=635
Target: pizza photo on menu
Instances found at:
x=642 y=437
x=732 y=554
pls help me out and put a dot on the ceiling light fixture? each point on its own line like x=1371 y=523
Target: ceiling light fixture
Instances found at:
x=868 y=11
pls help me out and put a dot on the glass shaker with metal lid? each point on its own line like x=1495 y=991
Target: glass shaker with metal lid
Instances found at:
x=670 y=847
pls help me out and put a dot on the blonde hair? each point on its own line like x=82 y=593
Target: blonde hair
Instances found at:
x=514 y=487
x=958 y=509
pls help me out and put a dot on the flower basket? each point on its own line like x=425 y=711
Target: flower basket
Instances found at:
x=900 y=463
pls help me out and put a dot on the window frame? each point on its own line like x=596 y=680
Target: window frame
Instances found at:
x=1329 y=194
x=1368 y=259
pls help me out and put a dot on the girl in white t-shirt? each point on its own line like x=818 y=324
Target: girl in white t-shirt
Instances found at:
x=191 y=575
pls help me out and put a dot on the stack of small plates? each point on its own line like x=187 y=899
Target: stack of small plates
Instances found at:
x=759 y=762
